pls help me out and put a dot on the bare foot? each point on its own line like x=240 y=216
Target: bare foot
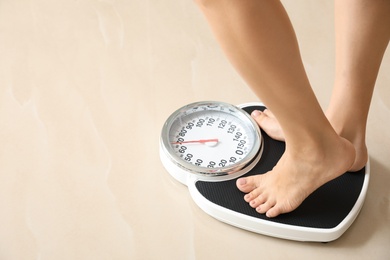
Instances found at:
x=270 y=125
x=296 y=176
x=268 y=122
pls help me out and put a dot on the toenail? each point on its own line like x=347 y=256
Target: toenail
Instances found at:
x=247 y=197
x=241 y=181
x=256 y=113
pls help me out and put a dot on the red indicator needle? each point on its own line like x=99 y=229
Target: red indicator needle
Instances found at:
x=202 y=141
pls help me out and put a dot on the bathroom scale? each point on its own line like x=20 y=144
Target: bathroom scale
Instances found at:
x=208 y=145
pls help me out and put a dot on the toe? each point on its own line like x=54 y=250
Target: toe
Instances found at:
x=246 y=184
x=257 y=201
x=280 y=208
x=258 y=116
x=263 y=208
x=274 y=211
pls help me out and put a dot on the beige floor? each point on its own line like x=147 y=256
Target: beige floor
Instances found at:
x=85 y=87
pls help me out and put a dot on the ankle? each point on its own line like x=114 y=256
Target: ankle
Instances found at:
x=351 y=126
x=323 y=149
x=314 y=137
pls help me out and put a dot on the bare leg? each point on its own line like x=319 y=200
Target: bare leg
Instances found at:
x=362 y=35
x=259 y=40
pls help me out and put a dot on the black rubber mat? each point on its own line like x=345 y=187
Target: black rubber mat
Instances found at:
x=325 y=208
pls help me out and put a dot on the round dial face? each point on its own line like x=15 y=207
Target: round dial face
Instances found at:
x=211 y=138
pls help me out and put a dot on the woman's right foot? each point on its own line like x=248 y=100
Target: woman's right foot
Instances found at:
x=268 y=122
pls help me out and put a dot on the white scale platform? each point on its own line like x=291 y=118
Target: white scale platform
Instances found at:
x=324 y=216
